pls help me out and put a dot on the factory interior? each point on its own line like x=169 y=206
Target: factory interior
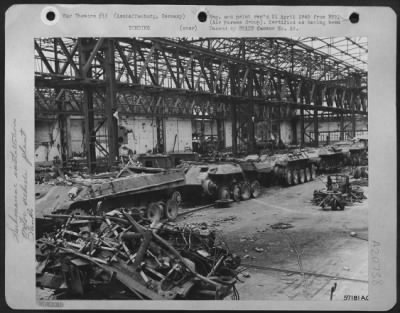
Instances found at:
x=201 y=168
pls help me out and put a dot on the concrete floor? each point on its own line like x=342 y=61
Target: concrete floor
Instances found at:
x=318 y=242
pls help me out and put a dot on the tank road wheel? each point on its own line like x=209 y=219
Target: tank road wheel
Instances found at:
x=302 y=177
x=289 y=178
x=308 y=174
x=255 y=188
x=171 y=209
x=246 y=191
x=223 y=193
x=154 y=212
x=236 y=192
x=313 y=172
x=295 y=175
x=176 y=195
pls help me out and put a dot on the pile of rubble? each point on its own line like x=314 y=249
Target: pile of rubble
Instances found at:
x=339 y=192
x=120 y=255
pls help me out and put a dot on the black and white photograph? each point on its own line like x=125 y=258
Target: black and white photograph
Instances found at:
x=201 y=168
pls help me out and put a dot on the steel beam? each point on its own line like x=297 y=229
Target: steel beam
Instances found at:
x=85 y=68
x=316 y=128
x=234 y=128
x=43 y=57
x=302 y=130
x=110 y=103
x=87 y=105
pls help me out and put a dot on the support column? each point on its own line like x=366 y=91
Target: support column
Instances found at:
x=61 y=117
x=279 y=118
x=251 y=141
x=294 y=130
x=220 y=132
x=232 y=74
x=234 y=128
x=302 y=137
x=160 y=135
x=341 y=126
x=316 y=130
x=250 y=130
x=85 y=46
x=68 y=136
x=110 y=105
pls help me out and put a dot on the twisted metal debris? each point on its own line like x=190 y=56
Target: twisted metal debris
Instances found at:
x=120 y=255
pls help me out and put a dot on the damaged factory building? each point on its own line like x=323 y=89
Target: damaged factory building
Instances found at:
x=201 y=168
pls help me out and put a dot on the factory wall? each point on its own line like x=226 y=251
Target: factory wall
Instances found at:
x=210 y=127
x=332 y=126
x=182 y=130
x=47 y=140
x=77 y=131
x=141 y=133
x=286 y=132
x=228 y=133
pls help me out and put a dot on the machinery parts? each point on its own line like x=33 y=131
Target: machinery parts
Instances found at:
x=338 y=193
x=329 y=198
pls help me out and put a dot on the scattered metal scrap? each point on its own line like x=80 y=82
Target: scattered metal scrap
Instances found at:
x=88 y=254
x=338 y=193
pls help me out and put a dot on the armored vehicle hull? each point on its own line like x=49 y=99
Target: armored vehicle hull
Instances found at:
x=153 y=195
x=222 y=181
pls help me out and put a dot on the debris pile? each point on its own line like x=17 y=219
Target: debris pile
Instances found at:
x=338 y=193
x=122 y=256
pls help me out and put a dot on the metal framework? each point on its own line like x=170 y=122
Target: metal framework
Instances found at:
x=245 y=80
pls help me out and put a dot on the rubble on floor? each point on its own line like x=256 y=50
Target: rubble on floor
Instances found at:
x=338 y=193
x=120 y=255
